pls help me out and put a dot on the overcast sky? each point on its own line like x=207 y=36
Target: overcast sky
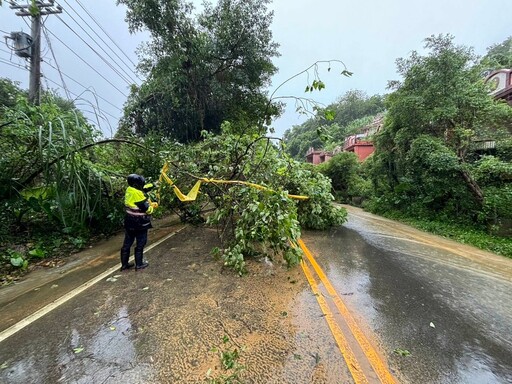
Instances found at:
x=367 y=35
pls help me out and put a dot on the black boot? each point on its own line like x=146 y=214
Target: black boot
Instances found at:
x=125 y=256
x=142 y=266
x=140 y=263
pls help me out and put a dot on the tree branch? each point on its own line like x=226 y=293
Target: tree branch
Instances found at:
x=38 y=171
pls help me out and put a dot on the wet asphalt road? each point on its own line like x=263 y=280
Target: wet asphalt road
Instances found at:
x=446 y=304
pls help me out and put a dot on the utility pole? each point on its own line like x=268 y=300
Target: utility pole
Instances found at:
x=35 y=10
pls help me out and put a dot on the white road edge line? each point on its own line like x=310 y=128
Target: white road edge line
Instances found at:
x=68 y=296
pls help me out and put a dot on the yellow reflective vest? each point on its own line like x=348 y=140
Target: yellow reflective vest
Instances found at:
x=133 y=196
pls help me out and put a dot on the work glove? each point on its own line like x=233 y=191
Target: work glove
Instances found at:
x=154 y=205
x=149 y=187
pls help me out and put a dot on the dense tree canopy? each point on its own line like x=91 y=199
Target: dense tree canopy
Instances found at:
x=255 y=221
x=344 y=170
x=351 y=111
x=434 y=116
x=499 y=56
x=201 y=71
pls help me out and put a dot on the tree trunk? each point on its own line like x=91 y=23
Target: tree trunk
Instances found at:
x=470 y=182
x=473 y=186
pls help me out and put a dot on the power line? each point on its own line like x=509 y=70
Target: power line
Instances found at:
x=77 y=96
x=13 y=65
x=96 y=52
x=65 y=75
x=99 y=112
x=106 y=44
x=105 y=32
x=89 y=65
x=3 y=50
x=54 y=82
x=85 y=87
x=56 y=63
x=106 y=62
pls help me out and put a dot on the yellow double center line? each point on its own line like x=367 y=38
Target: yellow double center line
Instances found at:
x=369 y=351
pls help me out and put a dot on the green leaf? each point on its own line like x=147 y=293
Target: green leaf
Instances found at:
x=78 y=349
x=38 y=252
x=17 y=261
x=402 y=352
x=39 y=193
x=329 y=114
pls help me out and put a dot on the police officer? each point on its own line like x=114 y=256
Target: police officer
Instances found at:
x=137 y=220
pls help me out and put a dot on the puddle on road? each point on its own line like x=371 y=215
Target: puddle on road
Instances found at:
x=108 y=357
x=477 y=367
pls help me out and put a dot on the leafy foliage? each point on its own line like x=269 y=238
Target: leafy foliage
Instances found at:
x=498 y=56
x=201 y=71
x=255 y=222
x=347 y=177
x=421 y=164
x=352 y=111
x=33 y=146
x=229 y=356
x=9 y=92
x=58 y=186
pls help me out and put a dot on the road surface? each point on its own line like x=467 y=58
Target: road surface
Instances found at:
x=447 y=304
x=374 y=302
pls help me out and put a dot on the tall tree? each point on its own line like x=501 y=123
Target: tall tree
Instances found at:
x=434 y=115
x=499 y=56
x=201 y=71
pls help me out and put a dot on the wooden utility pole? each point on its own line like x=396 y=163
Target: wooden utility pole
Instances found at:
x=35 y=10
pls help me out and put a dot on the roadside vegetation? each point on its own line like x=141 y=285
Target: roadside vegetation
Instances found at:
x=205 y=111
x=429 y=168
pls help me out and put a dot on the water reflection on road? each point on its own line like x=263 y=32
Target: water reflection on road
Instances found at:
x=106 y=355
x=449 y=310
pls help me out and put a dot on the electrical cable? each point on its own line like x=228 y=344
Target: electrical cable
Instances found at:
x=106 y=44
x=12 y=64
x=83 y=86
x=56 y=63
x=3 y=50
x=89 y=65
x=112 y=40
x=99 y=112
x=97 y=53
x=128 y=76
